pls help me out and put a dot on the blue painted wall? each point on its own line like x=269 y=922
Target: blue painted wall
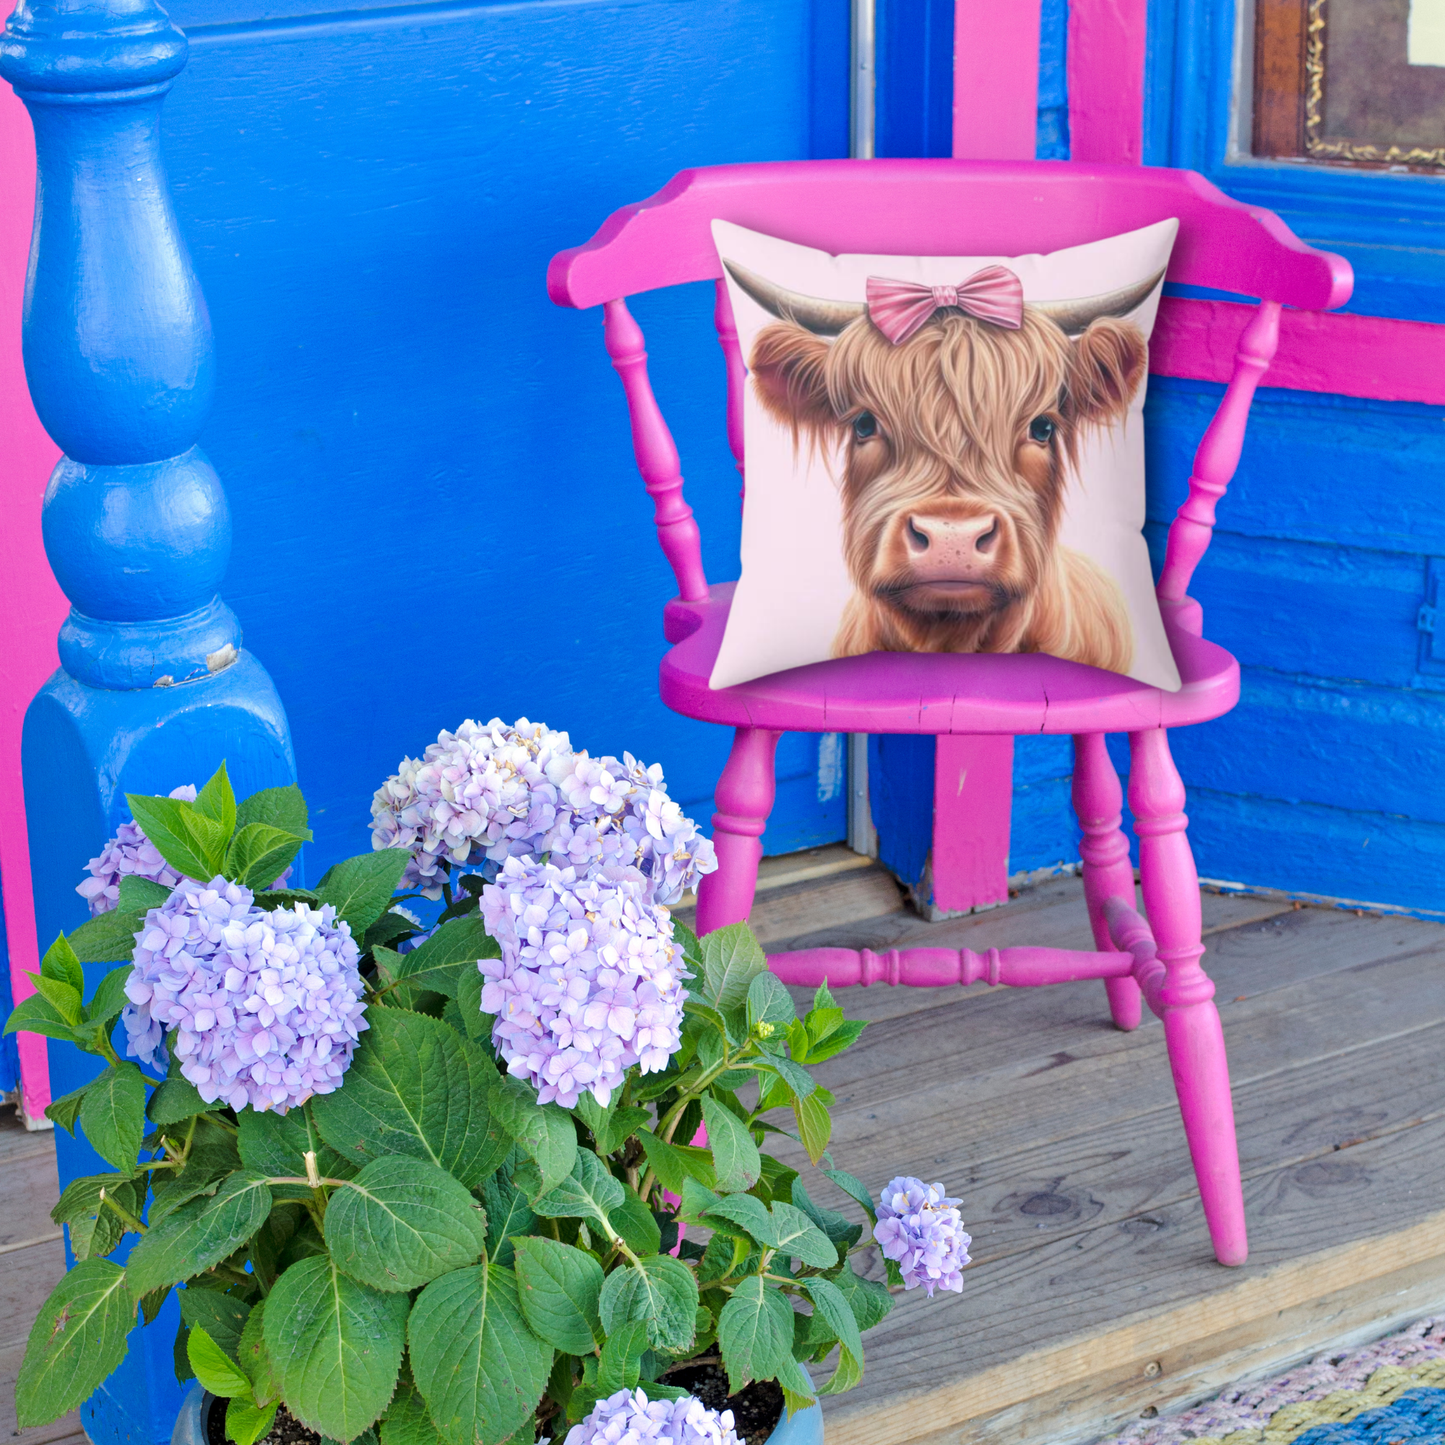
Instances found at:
x=436 y=515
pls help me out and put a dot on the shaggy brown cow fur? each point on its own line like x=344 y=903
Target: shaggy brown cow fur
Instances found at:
x=958 y=445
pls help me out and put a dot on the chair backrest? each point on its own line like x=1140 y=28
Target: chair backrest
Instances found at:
x=940 y=207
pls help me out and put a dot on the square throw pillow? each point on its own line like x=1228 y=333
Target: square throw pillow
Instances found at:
x=945 y=454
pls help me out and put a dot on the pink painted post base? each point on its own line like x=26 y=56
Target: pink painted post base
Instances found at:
x=972 y=803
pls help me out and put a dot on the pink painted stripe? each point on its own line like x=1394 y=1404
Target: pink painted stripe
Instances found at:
x=1106 y=80
x=995 y=79
x=1364 y=356
x=32 y=606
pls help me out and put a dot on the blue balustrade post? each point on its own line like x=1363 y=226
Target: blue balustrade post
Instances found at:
x=154 y=686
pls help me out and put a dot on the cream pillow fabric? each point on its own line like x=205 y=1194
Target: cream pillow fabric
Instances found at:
x=945 y=454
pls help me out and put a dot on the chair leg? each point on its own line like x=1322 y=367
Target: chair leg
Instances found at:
x=1191 y=1021
x=1108 y=873
x=744 y=798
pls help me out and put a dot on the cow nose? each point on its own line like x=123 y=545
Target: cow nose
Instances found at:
x=959 y=535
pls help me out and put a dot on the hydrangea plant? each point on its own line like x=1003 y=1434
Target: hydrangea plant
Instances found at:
x=464 y=1184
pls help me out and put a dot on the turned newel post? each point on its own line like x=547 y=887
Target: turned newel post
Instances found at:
x=155 y=686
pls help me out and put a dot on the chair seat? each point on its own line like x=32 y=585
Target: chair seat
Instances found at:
x=913 y=692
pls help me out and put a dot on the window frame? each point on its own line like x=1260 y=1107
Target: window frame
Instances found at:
x=1389 y=224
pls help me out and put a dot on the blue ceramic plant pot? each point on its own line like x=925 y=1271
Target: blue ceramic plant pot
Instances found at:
x=804 y=1428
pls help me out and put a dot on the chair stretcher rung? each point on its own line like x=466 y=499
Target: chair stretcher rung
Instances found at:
x=940 y=967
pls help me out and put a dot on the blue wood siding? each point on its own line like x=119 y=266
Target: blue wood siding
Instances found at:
x=436 y=513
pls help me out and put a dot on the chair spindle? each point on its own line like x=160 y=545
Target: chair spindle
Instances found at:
x=656 y=453
x=1216 y=460
x=727 y=335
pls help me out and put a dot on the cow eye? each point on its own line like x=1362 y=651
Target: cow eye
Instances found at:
x=1041 y=430
x=865 y=425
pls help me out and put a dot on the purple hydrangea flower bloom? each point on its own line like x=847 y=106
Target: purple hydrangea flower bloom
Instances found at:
x=923 y=1232
x=630 y=1418
x=482 y=795
x=129 y=852
x=589 y=982
x=267 y=1007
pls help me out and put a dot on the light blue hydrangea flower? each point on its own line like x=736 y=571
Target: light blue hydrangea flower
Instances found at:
x=630 y=1418
x=923 y=1232
x=589 y=982
x=483 y=794
x=267 y=1006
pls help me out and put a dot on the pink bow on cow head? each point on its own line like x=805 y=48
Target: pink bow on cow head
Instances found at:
x=899 y=308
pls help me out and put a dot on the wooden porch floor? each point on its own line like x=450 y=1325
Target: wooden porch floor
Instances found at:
x=1094 y=1297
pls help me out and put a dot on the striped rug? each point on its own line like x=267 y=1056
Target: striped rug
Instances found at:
x=1386 y=1393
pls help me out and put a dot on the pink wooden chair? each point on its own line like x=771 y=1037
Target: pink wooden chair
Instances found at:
x=941 y=207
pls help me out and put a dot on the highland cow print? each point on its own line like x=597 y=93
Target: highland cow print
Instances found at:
x=958 y=413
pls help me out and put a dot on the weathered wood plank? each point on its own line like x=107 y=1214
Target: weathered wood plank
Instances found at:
x=26 y=1277
x=1028 y=1096
x=28 y=1190
x=1112 y=1293
x=1174 y=1378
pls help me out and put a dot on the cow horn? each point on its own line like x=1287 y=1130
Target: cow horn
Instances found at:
x=1073 y=317
x=823 y=318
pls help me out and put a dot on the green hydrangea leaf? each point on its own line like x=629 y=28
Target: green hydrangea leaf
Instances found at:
x=61 y=965
x=734 y=1154
x=283 y=808
x=660 y=1290
x=558 y=1289
x=77 y=1341
x=140 y=895
x=247 y=1423
x=277 y=1144
x=95 y=1229
x=64 y=1111
x=110 y=938
x=112 y=1115
x=63 y=997
x=200 y=1234
x=815 y=1125
x=402 y=1222
x=508 y=1215
x=335 y=1346
x=37 y=1015
x=174 y=1100
x=193 y=844
x=755 y=1333
x=109 y=997
x=588 y=1192
x=545 y=1132
x=259 y=854
x=217 y=801
x=361 y=888
x=479 y=1367
x=731 y=959
x=620 y=1365
x=635 y=1222
x=407 y=1421
x=416 y=1087
x=212 y=1367
x=437 y=965
x=222 y=1316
